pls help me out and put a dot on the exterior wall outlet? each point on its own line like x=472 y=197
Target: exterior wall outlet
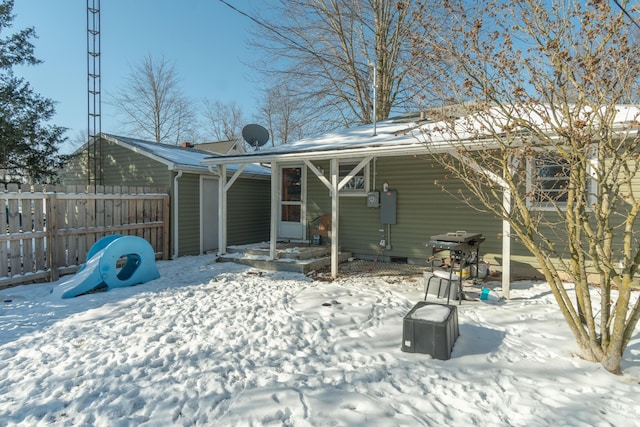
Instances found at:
x=383 y=242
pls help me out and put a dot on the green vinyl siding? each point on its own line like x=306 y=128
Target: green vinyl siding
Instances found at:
x=423 y=210
x=318 y=197
x=120 y=166
x=248 y=211
x=248 y=199
x=75 y=170
x=189 y=214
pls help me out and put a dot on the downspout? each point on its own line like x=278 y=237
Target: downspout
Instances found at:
x=175 y=213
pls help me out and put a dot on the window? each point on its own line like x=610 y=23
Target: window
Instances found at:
x=359 y=184
x=547 y=183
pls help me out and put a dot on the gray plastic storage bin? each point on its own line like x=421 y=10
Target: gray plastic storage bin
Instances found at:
x=430 y=328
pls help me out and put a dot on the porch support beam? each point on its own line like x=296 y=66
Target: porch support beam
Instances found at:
x=335 y=209
x=506 y=245
x=354 y=171
x=319 y=174
x=222 y=209
x=334 y=190
x=235 y=176
x=506 y=228
x=275 y=197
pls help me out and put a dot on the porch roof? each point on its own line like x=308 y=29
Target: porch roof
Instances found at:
x=392 y=137
x=470 y=125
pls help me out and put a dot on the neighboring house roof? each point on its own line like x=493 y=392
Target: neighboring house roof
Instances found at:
x=232 y=146
x=178 y=157
x=410 y=134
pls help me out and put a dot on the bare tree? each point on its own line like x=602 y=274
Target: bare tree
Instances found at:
x=544 y=144
x=152 y=105
x=223 y=122
x=326 y=51
x=281 y=113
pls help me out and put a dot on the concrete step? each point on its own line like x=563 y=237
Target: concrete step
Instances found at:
x=298 y=258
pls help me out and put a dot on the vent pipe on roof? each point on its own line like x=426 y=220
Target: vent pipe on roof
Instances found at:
x=375 y=95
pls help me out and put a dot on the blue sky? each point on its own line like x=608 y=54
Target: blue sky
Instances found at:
x=205 y=39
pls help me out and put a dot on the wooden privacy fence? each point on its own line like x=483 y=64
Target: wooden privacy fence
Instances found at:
x=48 y=231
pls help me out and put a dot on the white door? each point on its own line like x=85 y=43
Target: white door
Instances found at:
x=291 y=211
x=208 y=214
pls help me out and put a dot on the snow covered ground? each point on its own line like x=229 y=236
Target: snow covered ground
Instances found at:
x=219 y=344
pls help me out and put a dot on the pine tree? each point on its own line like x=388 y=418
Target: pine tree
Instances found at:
x=29 y=145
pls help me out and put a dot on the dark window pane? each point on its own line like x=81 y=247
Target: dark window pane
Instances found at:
x=355 y=183
x=291 y=185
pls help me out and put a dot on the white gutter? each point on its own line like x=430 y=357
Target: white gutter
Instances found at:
x=378 y=148
x=379 y=151
x=175 y=213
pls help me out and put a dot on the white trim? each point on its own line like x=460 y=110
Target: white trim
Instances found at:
x=506 y=227
x=506 y=245
x=275 y=197
x=302 y=203
x=222 y=209
x=335 y=217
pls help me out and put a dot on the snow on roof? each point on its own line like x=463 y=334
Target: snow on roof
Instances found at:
x=178 y=157
x=389 y=133
x=415 y=132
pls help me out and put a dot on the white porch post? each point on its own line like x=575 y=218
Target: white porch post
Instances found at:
x=506 y=245
x=275 y=174
x=222 y=209
x=506 y=228
x=335 y=209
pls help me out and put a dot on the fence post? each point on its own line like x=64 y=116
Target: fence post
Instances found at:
x=166 y=229
x=52 y=233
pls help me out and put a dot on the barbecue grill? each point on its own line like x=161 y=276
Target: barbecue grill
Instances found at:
x=464 y=250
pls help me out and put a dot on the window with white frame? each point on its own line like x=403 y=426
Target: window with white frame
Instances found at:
x=548 y=181
x=359 y=183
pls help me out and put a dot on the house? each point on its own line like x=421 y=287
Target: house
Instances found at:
x=192 y=186
x=378 y=184
x=228 y=147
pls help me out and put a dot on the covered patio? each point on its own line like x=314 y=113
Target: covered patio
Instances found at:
x=392 y=138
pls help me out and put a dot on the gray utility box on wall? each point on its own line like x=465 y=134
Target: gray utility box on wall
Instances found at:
x=388 y=205
x=373 y=199
x=430 y=328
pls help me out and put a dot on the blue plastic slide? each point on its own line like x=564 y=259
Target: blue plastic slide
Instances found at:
x=102 y=268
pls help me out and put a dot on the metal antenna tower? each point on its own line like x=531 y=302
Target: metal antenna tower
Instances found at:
x=94 y=101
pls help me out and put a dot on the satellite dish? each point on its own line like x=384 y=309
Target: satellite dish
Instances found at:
x=255 y=135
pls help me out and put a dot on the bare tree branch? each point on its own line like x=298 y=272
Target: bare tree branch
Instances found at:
x=223 y=122
x=546 y=83
x=152 y=105
x=324 y=51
